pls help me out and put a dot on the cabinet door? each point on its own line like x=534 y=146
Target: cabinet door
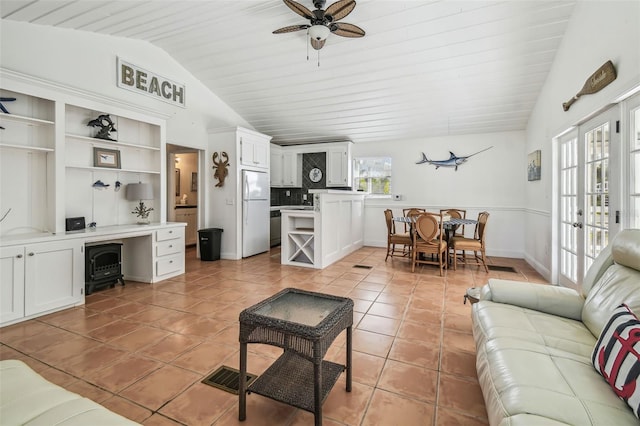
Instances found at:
x=11 y=283
x=254 y=152
x=275 y=177
x=290 y=170
x=53 y=276
x=246 y=151
x=261 y=154
x=337 y=164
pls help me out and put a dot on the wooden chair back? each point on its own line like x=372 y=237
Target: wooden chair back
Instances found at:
x=455 y=214
x=428 y=227
x=481 y=227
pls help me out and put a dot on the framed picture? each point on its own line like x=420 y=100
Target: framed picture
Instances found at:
x=194 y=181
x=177 y=182
x=103 y=157
x=534 y=161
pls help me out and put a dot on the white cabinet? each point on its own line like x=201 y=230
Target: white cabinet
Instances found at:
x=54 y=276
x=155 y=256
x=298 y=238
x=190 y=217
x=291 y=169
x=275 y=167
x=168 y=253
x=254 y=151
x=40 y=278
x=339 y=165
x=285 y=167
x=11 y=284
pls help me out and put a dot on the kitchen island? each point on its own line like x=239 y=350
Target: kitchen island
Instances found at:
x=319 y=237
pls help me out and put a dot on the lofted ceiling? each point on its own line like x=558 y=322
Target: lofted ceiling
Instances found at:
x=425 y=68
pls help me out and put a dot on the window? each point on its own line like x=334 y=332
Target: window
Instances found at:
x=372 y=175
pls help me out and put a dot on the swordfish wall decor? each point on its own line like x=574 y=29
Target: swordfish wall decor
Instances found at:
x=453 y=160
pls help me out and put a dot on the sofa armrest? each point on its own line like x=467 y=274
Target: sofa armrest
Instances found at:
x=549 y=299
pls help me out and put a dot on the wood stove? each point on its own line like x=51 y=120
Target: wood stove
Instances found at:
x=102 y=266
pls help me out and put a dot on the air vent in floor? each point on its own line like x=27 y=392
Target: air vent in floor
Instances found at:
x=363 y=266
x=502 y=268
x=227 y=379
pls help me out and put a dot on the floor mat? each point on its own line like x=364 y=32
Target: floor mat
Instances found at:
x=227 y=379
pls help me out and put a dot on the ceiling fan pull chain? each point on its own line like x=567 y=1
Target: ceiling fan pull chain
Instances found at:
x=318 y=58
x=308 y=42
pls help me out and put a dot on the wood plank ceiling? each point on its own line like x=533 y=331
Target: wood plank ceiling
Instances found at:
x=425 y=68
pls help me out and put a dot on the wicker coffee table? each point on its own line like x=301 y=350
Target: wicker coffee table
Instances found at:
x=304 y=324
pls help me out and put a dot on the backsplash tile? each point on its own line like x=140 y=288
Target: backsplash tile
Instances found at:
x=309 y=161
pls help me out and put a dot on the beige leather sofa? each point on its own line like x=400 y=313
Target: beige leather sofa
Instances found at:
x=534 y=343
x=28 y=399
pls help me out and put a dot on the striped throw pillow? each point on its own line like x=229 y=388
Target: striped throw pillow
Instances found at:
x=617 y=356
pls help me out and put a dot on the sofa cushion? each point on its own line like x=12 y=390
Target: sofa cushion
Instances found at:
x=493 y=320
x=521 y=378
x=617 y=356
x=26 y=398
x=619 y=284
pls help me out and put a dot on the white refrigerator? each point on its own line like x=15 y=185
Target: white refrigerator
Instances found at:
x=255 y=212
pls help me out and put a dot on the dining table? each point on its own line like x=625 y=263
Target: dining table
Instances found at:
x=448 y=222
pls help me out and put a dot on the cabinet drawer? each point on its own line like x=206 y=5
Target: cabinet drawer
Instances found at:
x=168 y=247
x=169 y=265
x=167 y=234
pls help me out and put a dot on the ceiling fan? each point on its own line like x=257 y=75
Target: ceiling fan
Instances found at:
x=323 y=22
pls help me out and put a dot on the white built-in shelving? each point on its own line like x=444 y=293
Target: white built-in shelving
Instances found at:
x=27 y=144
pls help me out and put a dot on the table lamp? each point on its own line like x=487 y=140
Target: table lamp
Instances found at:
x=138 y=192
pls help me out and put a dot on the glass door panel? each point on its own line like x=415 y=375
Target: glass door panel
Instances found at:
x=634 y=166
x=585 y=194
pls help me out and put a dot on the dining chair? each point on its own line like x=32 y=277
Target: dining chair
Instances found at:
x=475 y=244
x=409 y=213
x=455 y=214
x=428 y=238
x=394 y=238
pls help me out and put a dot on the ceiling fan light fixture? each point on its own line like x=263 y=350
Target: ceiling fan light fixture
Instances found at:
x=319 y=32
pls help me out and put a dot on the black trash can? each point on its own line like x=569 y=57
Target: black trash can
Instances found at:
x=209 y=240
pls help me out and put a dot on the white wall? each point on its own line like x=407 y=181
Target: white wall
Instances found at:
x=598 y=31
x=87 y=62
x=493 y=180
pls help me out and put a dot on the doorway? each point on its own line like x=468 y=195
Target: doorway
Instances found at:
x=183 y=189
x=589 y=159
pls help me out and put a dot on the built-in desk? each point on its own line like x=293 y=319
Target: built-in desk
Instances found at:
x=43 y=273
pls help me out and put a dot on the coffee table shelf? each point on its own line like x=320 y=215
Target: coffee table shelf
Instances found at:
x=290 y=380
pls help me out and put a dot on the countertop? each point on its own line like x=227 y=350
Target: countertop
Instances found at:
x=298 y=207
x=336 y=191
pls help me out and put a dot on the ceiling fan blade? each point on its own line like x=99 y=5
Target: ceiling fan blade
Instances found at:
x=298 y=8
x=290 y=29
x=346 y=30
x=317 y=44
x=340 y=9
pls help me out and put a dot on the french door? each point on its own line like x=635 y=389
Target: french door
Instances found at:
x=589 y=194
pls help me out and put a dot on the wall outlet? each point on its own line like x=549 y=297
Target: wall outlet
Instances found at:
x=397 y=197
x=304 y=197
x=229 y=201
x=287 y=193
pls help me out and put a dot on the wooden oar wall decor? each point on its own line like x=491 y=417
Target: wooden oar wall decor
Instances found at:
x=598 y=81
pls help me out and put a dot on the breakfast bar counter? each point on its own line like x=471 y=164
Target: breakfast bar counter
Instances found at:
x=319 y=237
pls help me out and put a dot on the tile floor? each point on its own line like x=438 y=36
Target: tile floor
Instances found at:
x=142 y=350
